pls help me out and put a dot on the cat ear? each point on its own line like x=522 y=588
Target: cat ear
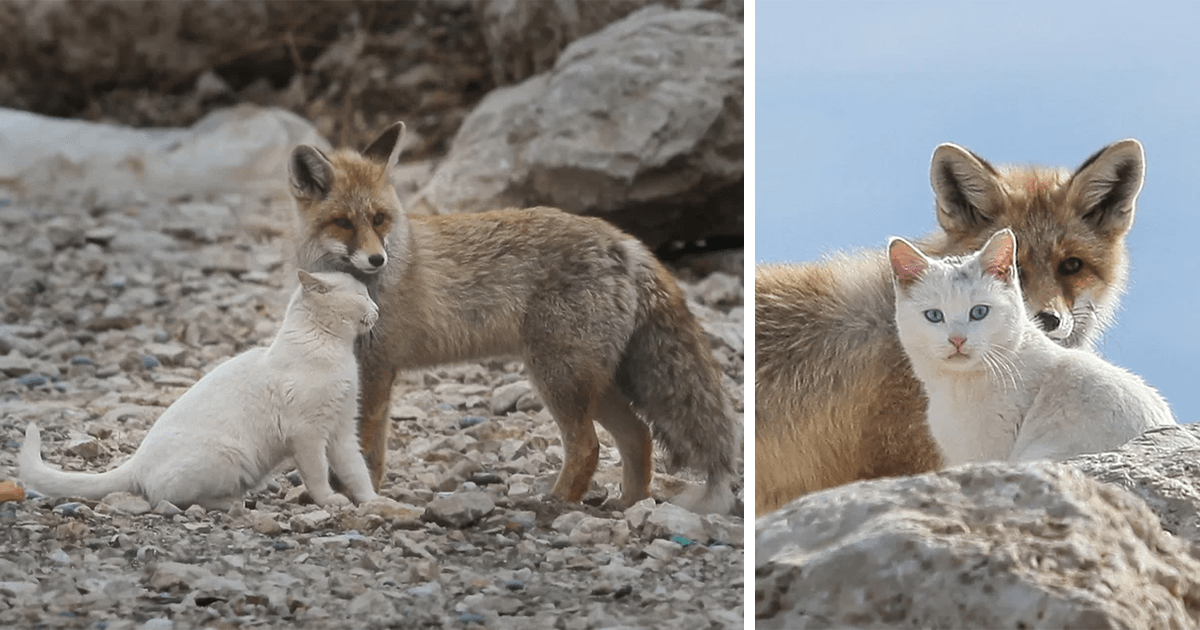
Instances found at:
x=386 y=148
x=1104 y=189
x=908 y=263
x=311 y=173
x=999 y=255
x=965 y=189
x=311 y=283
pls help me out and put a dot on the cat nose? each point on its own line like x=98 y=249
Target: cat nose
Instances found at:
x=958 y=342
x=1048 y=321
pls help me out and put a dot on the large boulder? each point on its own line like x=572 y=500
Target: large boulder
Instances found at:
x=241 y=150
x=524 y=38
x=57 y=55
x=1163 y=468
x=350 y=66
x=640 y=122
x=1035 y=545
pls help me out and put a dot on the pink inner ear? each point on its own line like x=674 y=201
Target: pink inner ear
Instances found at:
x=1001 y=261
x=907 y=264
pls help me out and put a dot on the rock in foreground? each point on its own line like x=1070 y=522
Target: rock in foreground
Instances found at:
x=983 y=546
x=1163 y=468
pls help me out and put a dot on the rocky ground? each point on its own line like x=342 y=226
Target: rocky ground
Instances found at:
x=110 y=312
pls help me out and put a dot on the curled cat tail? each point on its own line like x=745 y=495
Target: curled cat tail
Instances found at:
x=58 y=483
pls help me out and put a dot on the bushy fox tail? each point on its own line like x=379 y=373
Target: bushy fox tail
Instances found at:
x=670 y=375
x=57 y=483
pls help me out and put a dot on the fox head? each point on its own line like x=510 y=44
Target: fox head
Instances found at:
x=1070 y=228
x=348 y=206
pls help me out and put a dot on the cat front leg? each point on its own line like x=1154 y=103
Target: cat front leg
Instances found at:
x=308 y=450
x=350 y=466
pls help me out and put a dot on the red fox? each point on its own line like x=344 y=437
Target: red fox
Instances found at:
x=603 y=329
x=835 y=396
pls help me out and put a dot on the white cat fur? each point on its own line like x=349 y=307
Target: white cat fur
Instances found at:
x=1010 y=393
x=224 y=436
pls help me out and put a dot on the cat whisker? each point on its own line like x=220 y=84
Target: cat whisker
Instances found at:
x=1006 y=364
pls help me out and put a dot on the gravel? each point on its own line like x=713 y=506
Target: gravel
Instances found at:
x=110 y=313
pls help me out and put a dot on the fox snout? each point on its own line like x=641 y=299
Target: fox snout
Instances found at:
x=1056 y=324
x=368 y=262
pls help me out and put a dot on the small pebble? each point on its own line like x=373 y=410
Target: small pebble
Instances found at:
x=167 y=509
x=149 y=361
x=486 y=479
x=294 y=478
x=470 y=421
x=80 y=359
x=514 y=585
x=10 y=491
x=32 y=380
x=72 y=508
x=162 y=336
x=471 y=618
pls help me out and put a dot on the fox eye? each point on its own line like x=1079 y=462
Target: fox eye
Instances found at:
x=934 y=315
x=344 y=223
x=978 y=312
x=1070 y=266
x=379 y=219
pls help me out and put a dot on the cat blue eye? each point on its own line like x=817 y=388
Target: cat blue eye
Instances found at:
x=978 y=312
x=935 y=315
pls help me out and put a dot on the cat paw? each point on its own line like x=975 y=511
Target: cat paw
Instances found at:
x=369 y=497
x=333 y=500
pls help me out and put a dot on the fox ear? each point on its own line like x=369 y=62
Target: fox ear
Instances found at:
x=311 y=173
x=1105 y=188
x=311 y=283
x=964 y=188
x=386 y=148
x=908 y=263
x=999 y=255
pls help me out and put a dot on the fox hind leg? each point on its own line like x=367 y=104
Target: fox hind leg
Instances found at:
x=572 y=401
x=632 y=436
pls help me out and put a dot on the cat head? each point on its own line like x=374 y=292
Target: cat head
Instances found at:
x=339 y=301
x=959 y=314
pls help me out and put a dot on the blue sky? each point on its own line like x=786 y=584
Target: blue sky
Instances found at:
x=852 y=97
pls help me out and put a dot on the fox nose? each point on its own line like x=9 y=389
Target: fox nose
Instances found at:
x=376 y=260
x=1048 y=321
x=958 y=342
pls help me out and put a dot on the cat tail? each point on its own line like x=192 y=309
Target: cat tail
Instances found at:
x=53 y=482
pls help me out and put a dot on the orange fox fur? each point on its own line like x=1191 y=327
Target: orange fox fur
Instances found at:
x=835 y=398
x=604 y=331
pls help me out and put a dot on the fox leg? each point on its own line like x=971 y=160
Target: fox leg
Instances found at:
x=374 y=405
x=572 y=402
x=633 y=440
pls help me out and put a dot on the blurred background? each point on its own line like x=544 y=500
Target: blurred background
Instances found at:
x=658 y=154
x=852 y=98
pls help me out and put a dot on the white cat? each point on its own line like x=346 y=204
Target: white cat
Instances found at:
x=998 y=388
x=224 y=436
